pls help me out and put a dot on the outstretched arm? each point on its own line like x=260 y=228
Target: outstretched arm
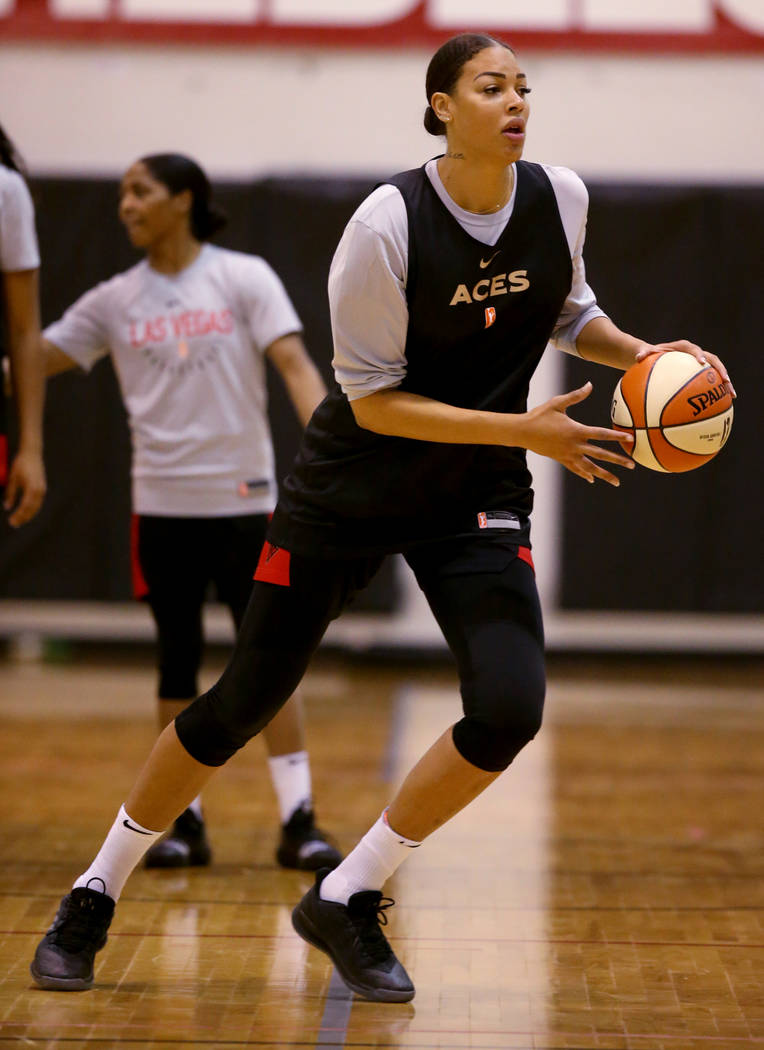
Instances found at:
x=25 y=489
x=302 y=379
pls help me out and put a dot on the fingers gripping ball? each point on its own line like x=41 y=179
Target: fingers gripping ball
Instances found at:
x=679 y=411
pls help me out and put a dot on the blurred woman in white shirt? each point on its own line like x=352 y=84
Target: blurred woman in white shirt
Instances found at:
x=22 y=475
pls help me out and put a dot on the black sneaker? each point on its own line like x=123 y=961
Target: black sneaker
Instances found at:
x=304 y=846
x=186 y=846
x=64 y=957
x=351 y=937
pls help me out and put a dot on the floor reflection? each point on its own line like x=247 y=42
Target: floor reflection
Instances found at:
x=606 y=893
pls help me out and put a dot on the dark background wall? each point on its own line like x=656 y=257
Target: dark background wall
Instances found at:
x=666 y=262
x=675 y=263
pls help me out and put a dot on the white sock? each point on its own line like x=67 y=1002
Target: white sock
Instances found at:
x=369 y=865
x=291 y=782
x=123 y=847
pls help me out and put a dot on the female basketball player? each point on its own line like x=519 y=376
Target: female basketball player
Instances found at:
x=24 y=481
x=444 y=291
x=188 y=330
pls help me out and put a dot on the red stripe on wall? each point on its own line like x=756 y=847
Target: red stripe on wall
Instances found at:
x=32 y=20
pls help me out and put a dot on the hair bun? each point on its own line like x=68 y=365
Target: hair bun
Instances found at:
x=432 y=123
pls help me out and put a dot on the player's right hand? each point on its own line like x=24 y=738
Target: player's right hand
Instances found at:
x=549 y=431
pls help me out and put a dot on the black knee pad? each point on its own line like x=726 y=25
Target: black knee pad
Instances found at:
x=220 y=722
x=492 y=746
x=203 y=734
x=503 y=704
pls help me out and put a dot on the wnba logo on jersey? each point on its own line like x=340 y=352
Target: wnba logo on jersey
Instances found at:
x=490 y=315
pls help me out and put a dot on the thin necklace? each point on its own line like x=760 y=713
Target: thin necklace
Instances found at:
x=503 y=203
x=483 y=211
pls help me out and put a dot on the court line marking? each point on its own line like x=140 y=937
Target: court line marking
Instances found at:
x=332 y=1034
x=479 y=942
x=624 y=909
x=333 y=1030
x=362 y=1041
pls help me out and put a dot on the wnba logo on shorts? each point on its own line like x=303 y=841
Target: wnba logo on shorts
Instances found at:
x=490 y=315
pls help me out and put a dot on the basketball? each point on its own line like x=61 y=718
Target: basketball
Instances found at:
x=679 y=411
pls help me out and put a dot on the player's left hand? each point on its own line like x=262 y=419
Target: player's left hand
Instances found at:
x=685 y=347
x=26 y=483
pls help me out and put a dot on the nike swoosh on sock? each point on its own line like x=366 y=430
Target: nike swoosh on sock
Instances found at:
x=127 y=824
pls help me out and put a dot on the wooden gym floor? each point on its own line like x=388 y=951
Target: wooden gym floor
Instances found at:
x=607 y=892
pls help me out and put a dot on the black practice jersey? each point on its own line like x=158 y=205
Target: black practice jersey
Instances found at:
x=479 y=321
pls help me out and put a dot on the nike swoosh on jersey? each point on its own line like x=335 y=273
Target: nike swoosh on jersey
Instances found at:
x=138 y=830
x=484 y=262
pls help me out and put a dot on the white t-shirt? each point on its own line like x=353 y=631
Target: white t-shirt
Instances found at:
x=188 y=350
x=369 y=271
x=18 y=239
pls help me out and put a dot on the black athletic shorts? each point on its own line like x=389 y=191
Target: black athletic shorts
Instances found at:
x=178 y=563
x=181 y=559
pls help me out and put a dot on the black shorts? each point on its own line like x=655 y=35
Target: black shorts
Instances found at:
x=174 y=556
x=177 y=564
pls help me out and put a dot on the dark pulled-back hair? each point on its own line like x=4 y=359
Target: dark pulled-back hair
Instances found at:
x=446 y=67
x=178 y=173
x=9 y=155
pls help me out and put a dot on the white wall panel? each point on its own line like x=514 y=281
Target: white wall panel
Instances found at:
x=648 y=16
x=245 y=111
x=251 y=111
x=80 y=8
x=344 y=12
x=542 y=14
x=192 y=10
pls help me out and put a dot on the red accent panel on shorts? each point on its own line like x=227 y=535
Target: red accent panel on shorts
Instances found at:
x=140 y=587
x=525 y=554
x=3 y=458
x=273 y=566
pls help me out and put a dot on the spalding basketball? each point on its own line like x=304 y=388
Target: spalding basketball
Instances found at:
x=679 y=411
